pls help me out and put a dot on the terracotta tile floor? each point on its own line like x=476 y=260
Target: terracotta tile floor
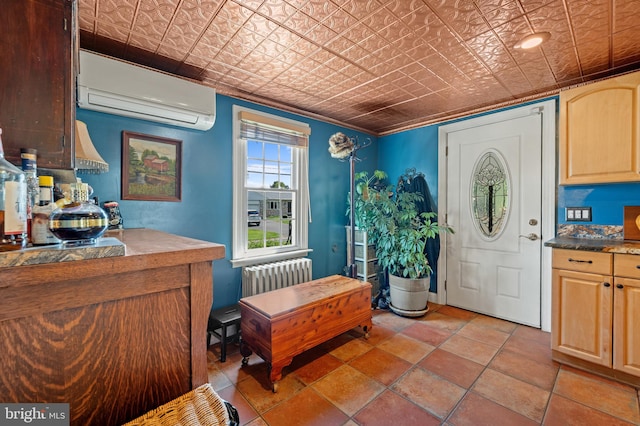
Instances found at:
x=450 y=367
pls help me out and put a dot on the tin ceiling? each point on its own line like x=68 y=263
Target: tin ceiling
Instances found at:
x=376 y=65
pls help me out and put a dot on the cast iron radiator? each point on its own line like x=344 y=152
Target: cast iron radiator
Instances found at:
x=271 y=276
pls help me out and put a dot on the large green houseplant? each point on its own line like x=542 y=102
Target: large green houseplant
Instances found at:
x=400 y=234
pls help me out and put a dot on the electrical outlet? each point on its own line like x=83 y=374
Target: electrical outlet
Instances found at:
x=578 y=214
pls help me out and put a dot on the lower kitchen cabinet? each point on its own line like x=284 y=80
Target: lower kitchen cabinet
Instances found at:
x=582 y=305
x=626 y=319
x=595 y=309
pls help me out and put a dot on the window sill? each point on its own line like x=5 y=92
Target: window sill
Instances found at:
x=249 y=261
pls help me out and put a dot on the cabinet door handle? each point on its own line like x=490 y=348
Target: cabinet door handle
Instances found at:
x=637 y=266
x=607 y=285
x=619 y=286
x=580 y=261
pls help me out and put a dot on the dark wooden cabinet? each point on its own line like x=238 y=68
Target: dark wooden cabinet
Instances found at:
x=37 y=90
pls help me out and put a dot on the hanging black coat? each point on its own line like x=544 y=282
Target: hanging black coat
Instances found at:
x=419 y=185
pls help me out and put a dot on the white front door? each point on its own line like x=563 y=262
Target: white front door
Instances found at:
x=494 y=204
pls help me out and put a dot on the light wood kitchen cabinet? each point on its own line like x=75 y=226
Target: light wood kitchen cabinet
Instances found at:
x=626 y=312
x=595 y=306
x=582 y=305
x=37 y=106
x=599 y=132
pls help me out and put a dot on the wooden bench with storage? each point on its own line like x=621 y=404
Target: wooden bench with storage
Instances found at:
x=280 y=324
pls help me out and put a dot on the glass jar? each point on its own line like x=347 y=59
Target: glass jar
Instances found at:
x=78 y=223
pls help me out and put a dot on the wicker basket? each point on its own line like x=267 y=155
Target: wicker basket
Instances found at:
x=201 y=406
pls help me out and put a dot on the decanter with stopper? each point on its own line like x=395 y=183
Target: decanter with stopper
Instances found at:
x=80 y=221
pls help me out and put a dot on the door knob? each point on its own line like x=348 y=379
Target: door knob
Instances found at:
x=531 y=236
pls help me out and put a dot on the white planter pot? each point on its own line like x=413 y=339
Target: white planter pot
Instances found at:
x=409 y=296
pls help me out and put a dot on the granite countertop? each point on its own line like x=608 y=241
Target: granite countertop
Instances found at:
x=103 y=247
x=595 y=244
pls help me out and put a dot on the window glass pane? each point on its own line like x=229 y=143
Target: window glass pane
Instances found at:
x=255 y=220
x=286 y=154
x=255 y=172
x=285 y=181
x=271 y=181
x=254 y=180
x=490 y=194
x=271 y=151
x=254 y=149
x=285 y=168
x=272 y=169
x=255 y=165
x=269 y=218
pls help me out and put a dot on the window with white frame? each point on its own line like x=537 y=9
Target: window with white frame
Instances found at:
x=270 y=182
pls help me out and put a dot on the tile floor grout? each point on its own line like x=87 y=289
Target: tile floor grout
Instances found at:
x=311 y=386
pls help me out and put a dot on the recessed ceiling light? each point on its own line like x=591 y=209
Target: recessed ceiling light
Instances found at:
x=532 y=40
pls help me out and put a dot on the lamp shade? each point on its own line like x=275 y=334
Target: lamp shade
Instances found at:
x=87 y=158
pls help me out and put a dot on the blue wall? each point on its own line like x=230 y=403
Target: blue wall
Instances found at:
x=606 y=201
x=205 y=211
x=417 y=148
x=414 y=149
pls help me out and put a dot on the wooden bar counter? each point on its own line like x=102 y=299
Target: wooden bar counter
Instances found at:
x=114 y=337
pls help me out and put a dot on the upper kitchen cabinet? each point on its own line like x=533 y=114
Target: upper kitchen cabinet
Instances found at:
x=599 y=137
x=37 y=90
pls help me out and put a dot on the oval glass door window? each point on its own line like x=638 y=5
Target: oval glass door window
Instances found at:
x=490 y=193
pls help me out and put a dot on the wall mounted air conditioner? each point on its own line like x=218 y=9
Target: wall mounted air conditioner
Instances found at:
x=116 y=87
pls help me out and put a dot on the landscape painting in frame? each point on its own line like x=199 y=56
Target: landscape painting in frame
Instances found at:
x=151 y=167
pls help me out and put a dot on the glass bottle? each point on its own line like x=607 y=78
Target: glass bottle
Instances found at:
x=29 y=158
x=40 y=232
x=13 y=205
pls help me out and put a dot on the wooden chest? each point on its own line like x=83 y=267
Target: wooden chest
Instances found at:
x=280 y=324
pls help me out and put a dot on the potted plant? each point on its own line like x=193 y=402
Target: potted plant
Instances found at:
x=400 y=234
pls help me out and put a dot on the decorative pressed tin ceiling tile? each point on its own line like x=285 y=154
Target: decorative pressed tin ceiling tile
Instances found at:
x=377 y=65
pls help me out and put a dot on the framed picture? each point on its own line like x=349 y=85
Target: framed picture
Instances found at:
x=151 y=167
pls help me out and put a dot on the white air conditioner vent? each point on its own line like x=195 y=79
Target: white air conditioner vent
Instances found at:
x=120 y=88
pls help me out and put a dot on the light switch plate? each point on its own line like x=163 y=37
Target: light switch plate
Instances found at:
x=578 y=214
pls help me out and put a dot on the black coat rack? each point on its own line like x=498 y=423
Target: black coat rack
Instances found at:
x=350 y=154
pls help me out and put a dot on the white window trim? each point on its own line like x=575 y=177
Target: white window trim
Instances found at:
x=241 y=256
